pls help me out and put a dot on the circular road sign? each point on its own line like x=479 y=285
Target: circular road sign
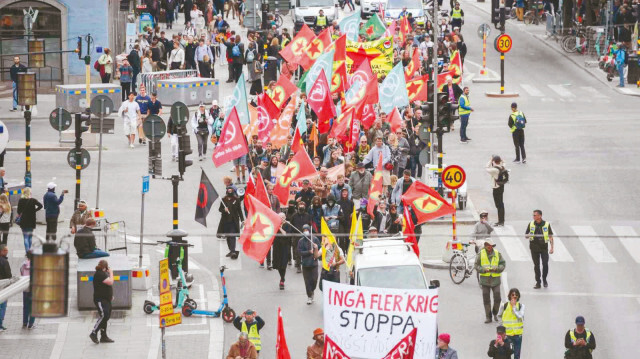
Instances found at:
x=503 y=43
x=179 y=113
x=423 y=132
x=154 y=127
x=423 y=156
x=101 y=105
x=4 y=136
x=85 y=158
x=484 y=30
x=60 y=119
x=453 y=177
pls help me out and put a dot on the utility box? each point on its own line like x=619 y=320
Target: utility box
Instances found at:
x=190 y=90
x=633 y=74
x=121 y=285
x=73 y=97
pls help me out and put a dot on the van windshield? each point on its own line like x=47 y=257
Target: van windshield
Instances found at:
x=314 y=3
x=409 y=4
x=399 y=277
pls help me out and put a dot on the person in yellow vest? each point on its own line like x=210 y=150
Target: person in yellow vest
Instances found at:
x=321 y=21
x=540 y=235
x=580 y=342
x=251 y=325
x=464 y=110
x=457 y=16
x=512 y=314
x=517 y=123
x=490 y=264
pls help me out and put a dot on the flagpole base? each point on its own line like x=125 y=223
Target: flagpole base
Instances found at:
x=501 y=95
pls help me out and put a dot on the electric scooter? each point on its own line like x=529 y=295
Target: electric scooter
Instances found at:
x=182 y=294
x=224 y=311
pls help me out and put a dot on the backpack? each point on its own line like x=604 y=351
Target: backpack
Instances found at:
x=235 y=51
x=503 y=176
x=251 y=56
x=520 y=122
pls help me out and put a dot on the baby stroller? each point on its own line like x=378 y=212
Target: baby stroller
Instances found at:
x=607 y=63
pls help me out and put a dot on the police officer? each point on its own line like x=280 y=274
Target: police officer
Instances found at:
x=580 y=342
x=490 y=264
x=464 y=110
x=252 y=324
x=321 y=21
x=516 y=124
x=540 y=235
x=457 y=16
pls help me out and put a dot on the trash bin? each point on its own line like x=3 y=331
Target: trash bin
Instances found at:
x=633 y=72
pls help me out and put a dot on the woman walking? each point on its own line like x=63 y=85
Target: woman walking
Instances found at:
x=282 y=250
x=229 y=225
x=5 y=217
x=200 y=123
x=27 y=208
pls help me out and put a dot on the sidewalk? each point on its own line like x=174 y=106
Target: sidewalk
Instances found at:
x=584 y=62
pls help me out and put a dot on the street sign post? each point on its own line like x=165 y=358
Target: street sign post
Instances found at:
x=85 y=159
x=503 y=45
x=60 y=120
x=145 y=189
x=102 y=106
x=154 y=127
x=453 y=177
x=167 y=317
x=483 y=32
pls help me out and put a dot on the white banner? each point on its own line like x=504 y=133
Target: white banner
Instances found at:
x=368 y=322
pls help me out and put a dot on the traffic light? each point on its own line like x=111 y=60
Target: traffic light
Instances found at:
x=184 y=149
x=444 y=111
x=430 y=91
x=79 y=48
x=83 y=121
x=495 y=12
x=427 y=114
x=155 y=159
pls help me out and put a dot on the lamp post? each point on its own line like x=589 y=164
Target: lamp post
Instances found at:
x=27 y=97
x=50 y=281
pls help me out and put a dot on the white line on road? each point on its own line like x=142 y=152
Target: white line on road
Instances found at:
x=61 y=338
x=532 y=91
x=186 y=332
x=593 y=92
x=27 y=336
x=631 y=244
x=562 y=91
x=594 y=246
x=573 y=294
x=512 y=244
x=505 y=285
x=154 y=346
x=560 y=252
x=216 y=330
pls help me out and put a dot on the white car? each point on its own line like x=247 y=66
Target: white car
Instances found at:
x=305 y=11
x=415 y=7
x=368 y=7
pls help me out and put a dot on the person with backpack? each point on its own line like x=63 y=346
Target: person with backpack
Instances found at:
x=499 y=176
x=621 y=60
x=517 y=123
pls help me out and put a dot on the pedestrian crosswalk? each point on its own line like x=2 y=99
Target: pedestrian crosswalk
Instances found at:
x=575 y=243
x=564 y=93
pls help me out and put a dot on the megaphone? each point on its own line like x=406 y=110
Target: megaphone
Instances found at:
x=241 y=191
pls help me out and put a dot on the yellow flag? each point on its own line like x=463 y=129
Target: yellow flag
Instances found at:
x=356 y=236
x=326 y=232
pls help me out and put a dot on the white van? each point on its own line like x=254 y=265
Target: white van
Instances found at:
x=415 y=7
x=305 y=11
x=368 y=7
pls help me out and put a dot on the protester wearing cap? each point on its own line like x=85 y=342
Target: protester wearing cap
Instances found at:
x=517 y=132
x=251 y=325
x=373 y=232
x=51 y=204
x=501 y=347
x=360 y=181
x=490 y=264
x=444 y=352
x=306 y=194
x=482 y=230
x=79 y=217
x=314 y=351
x=580 y=342
x=200 y=122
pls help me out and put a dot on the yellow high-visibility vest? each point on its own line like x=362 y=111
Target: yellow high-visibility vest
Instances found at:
x=484 y=262
x=462 y=111
x=254 y=336
x=513 y=118
x=321 y=20
x=545 y=231
x=511 y=322
x=572 y=334
x=456 y=14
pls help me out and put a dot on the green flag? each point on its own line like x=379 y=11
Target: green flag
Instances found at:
x=373 y=28
x=302 y=82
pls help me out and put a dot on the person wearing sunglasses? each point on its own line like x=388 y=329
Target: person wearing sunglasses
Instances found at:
x=512 y=314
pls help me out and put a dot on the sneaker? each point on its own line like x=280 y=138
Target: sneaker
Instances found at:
x=468 y=139
x=13 y=110
x=309 y=301
x=537 y=286
x=516 y=161
x=131 y=145
x=94 y=338
x=281 y=285
x=545 y=284
x=105 y=339
x=200 y=158
x=495 y=318
x=488 y=320
x=32 y=327
x=24 y=326
x=524 y=161
x=463 y=141
x=229 y=254
x=498 y=224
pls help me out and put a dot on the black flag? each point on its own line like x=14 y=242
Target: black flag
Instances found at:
x=206 y=196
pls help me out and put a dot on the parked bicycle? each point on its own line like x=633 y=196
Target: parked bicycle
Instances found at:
x=462 y=263
x=535 y=14
x=576 y=41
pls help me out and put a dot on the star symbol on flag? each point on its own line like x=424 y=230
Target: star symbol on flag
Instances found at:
x=288 y=174
x=427 y=204
x=299 y=45
x=369 y=30
x=277 y=96
x=359 y=56
x=262 y=228
x=315 y=49
x=413 y=87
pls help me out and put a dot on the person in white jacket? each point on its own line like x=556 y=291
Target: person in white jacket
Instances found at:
x=130 y=113
x=200 y=123
x=176 y=57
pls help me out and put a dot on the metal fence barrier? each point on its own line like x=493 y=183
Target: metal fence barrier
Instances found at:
x=150 y=79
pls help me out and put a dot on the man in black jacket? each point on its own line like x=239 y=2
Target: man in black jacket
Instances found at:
x=134 y=61
x=299 y=220
x=85 y=242
x=16 y=68
x=190 y=53
x=501 y=347
x=5 y=273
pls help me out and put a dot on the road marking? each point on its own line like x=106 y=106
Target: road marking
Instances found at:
x=631 y=244
x=560 y=252
x=216 y=330
x=594 y=246
x=512 y=244
x=231 y=264
x=505 y=284
x=531 y=90
x=61 y=338
x=562 y=91
x=593 y=92
x=197 y=245
x=573 y=294
x=186 y=332
x=27 y=336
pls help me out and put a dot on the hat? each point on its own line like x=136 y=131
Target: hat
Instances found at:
x=306 y=226
x=580 y=320
x=317 y=332
x=51 y=185
x=445 y=337
x=264 y=159
x=249 y=312
x=489 y=241
x=484 y=212
x=360 y=165
x=201 y=104
x=372 y=228
x=514 y=105
x=501 y=329
x=214 y=103
x=82 y=201
x=306 y=182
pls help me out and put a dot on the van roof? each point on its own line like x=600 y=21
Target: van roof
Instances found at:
x=385 y=252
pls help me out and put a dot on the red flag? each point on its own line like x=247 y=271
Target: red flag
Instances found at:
x=261 y=190
x=340 y=45
x=354 y=137
x=250 y=189
x=339 y=79
x=297 y=142
x=375 y=189
x=417 y=88
x=320 y=102
x=268 y=112
x=260 y=229
x=332 y=350
x=232 y=143
x=283 y=89
x=366 y=113
x=413 y=65
x=455 y=67
x=410 y=230
x=425 y=202
x=282 y=350
x=341 y=123
x=405 y=347
x=442 y=80
x=394 y=119
x=368 y=80
x=316 y=47
x=405 y=29
x=295 y=49
x=299 y=166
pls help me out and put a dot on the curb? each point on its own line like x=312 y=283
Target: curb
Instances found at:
x=501 y=95
x=435 y=264
x=47 y=149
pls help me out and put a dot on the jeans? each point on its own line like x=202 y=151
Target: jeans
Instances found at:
x=27 y=233
x=134 y=78
x=97 y=253
x=518 y=142
x=486 y=299
x=27 y=319
x=237 y=71
x=3 y=310
x=498 y=199
x=105 y=78
x=415 y=166
x=15 y=95
x=517 y=345
x=464 y=121
x=4 y=229
x=126 y=90
x=202 y=138
x=621 y=73
x=310 y=275
x=537 y=256
x=52 y=227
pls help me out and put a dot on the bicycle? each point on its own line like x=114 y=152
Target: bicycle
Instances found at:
x=462 y=265
x=534 y=15
x=576 y=41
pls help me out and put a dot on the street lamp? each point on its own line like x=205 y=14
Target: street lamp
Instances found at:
x=27 y=97
x=49 y=281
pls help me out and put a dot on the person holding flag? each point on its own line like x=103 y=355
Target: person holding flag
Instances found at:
x=332 y=256
x=230 y=220
x=307 y=248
